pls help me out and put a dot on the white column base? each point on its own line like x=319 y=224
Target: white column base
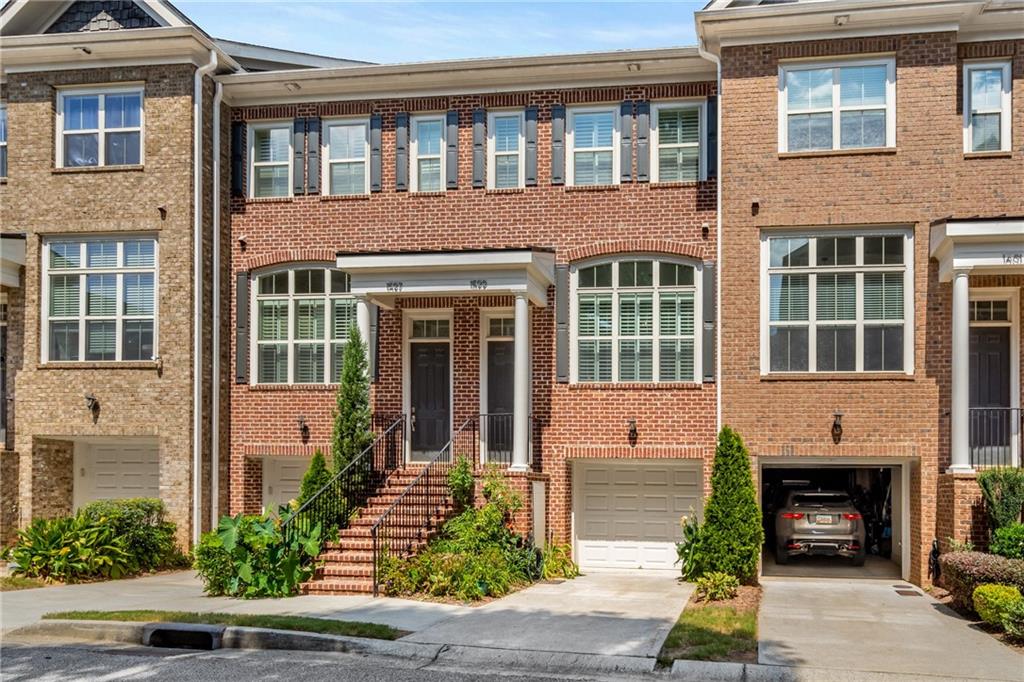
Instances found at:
x=961 y=469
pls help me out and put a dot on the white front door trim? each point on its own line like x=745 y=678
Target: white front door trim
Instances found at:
x=408 y=316
x=1012 y=297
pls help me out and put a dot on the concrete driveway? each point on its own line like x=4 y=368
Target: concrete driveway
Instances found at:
x=866 y=625
x=619 y=614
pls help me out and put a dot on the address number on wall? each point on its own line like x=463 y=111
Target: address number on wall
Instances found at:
x=1013 y=258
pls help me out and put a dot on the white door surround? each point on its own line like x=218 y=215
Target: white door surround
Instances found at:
x=1011 y=295
x=408 y=317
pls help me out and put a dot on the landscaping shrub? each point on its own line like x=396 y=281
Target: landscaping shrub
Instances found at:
x=992 y=602
x=731 y=537
x=956 y=545
x=717 y=586
x=315 y=478
x=686 y=550
x=1003 y=490
x=70 y=549
x=1009 y=541
x=353 y=431
x=247 y=556
x=962 y=572
x=556 y=562
x=142 y=522
x=1013 y=620
x=460 y=483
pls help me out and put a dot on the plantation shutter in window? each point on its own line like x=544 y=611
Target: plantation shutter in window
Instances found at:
x=558 y=145
x=313 y=155
x=402 y=152
x=837 y=297
x=64 y=298
x=883 y=296
x=626 y=142
x=531 y=147
x=711 y=125
x=562 y=323
x=643 y=141
x=237 y=159
x=242 y=328
x=708 y=305
x=299 y=156
x=452 y=144
x=479 y=148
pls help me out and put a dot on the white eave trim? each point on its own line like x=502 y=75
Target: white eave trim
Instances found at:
x=989 y=246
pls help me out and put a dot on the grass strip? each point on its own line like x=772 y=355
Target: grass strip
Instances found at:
x=276 y=622
x=711 y=633
x=13 y=582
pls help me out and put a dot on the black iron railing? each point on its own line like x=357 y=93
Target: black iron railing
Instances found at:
x=995 y=436
x=333 y=505
x=418 y=511
x=497 y=436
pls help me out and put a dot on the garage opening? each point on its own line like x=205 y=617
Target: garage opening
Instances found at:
x=115 y=468
x=833 y=520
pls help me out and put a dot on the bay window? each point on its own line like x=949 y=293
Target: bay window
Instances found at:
x=593 y=141
x=987 y=107
x=99 y=127
x=346 y=148
x=270 y=159
x=677 y=142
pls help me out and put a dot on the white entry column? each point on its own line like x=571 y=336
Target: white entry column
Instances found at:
x=363 y=323
x=521 y=387
x=960 y=442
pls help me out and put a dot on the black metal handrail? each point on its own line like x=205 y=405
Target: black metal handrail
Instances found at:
x=334 y=504
x=995 y=436
x=416 y=512
x=497 y=435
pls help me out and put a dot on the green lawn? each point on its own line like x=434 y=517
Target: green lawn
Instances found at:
x=318 y=625
x=713 y=632
x=13 y=582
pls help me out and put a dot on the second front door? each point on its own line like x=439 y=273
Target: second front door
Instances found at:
x=430 y=398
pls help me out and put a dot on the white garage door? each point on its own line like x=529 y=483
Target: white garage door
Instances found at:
x=113 y=470
x=627 y=512
x=282 y=478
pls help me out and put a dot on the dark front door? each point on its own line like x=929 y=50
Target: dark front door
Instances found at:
x=498 y=422
x=430 y=390
x=990 y=418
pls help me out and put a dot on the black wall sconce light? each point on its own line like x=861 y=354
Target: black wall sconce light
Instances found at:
x=837 y=427
x=303 y=428
x=92 y=404
x=633 y=435
x=755 y=206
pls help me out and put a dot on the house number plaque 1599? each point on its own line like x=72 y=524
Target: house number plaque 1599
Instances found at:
x=478 y=284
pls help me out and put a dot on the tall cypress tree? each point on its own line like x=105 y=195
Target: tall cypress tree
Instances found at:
x=352 y=426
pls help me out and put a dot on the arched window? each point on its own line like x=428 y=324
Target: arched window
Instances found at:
x=635 y=320
x=303 y=314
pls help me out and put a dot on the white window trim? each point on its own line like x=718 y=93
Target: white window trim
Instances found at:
x=254 y=332
x=414 y=152
x=251 y=163
x=82 y=271
x=909 y=329
x=615 y=290
x=325 y=149
x=836 y=108
x=1005 y=111
x=702 y=134
x=492 y=153
x=3 y=142
x=570 y=141
x=101 y=131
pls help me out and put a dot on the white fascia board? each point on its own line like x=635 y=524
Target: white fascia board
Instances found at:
x=461 y=260
x=995 y=246
x=949 y=232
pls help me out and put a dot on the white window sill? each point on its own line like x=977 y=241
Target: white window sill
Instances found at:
x=859 y=151
x=837 y=376
x=100 y=364
x=98 y=169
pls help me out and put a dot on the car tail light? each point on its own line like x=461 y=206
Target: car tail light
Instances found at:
x=852 y=517
x=792 y=515
x=854 y=547
x=794 y=545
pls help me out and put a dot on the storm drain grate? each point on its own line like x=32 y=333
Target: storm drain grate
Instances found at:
x=908 y=593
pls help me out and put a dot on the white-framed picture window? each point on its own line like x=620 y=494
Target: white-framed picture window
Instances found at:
x=270 y=159
x=346 y=148
x=506 y=149
x=302 y=315
x=100 y=127
x=986 y=105
x=837 y=302
x=427 y=153
x=592 y=135
x=99 y=301
x=678 y=148
x=634 y=320
x=3 y=141
x=840 y=105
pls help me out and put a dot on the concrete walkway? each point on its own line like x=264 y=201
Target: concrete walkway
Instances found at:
x=865 y=625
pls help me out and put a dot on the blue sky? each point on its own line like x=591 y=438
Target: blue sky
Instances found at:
x=418 y=31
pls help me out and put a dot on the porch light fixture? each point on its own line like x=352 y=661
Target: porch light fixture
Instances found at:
x=93 y=405
x=841 y=19
x=303 y=428
x=83 y=49
x=633 y=66
x=292 y=86
x=633 y=435
x=837 y=427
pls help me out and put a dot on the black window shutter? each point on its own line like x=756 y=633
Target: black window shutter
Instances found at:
x=712 y=141
x=374 y=353
x=402 y=152
x=479 y=146
x=299 y=156
x=313 y=155
x=451 y=138
x=626 y=142
x=643 y=141
x=375 y=153
x=238 y=159
x=708 y=284
x=531 y=147
x=242 y=328
x=562 y=324
x=558 y=145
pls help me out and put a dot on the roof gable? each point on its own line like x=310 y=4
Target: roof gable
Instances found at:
x=40 y=17
x=86 y=15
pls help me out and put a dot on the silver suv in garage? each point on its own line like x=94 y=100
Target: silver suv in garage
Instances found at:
x=822 y=522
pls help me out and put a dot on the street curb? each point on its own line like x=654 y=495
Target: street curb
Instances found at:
x=756 y=672
x=556 y=662
x=91 y=630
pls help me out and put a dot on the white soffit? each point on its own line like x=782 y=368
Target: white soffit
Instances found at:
x=993 y=246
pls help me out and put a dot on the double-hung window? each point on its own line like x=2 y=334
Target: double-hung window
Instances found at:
x=846 y=105
x=303 y=317
x=635 y=321
x=270 y=159
x=837 y=303
x=99 y=300
x=99 y=127
x=987 y=107
x=428 y=153
x=677 y=144
x=506 y=145
x=346 y=148
x=593 y=140
x=3 y=141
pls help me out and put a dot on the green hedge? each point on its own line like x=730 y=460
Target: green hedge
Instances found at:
x=963 y=572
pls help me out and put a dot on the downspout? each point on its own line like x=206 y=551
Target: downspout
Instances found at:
x=197 y=293
x=218 y=95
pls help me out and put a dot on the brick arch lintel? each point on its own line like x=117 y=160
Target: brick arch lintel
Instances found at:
x=636 y=245
x=286 y=256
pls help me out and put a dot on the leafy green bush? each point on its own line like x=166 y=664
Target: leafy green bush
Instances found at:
x=1003 y=490
x=71 y=549
x=556 y=562
x=315 y=478
x=1013 y=620
x=956 y=545
x=717 y=586
x=686 y=550
x=1009 y=541
x=353 y=431
x=460 y=483
x=247 y=556
x=142 y=522
x=962 y=572
x=991 y=602
x=731 y=537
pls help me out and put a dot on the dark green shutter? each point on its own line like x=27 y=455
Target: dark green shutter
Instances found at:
x=375 y=153
x=562 y=323
x=712 y=141
x=299 y=156
x=238 y=159
x=708 y=300
x=479 y=146
x=531 y=147
x=558 y=145
x=402 y=152
x=626 y=142
x=313 y=155
x=451 y=139
x=643 y=141
x=242 y=328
